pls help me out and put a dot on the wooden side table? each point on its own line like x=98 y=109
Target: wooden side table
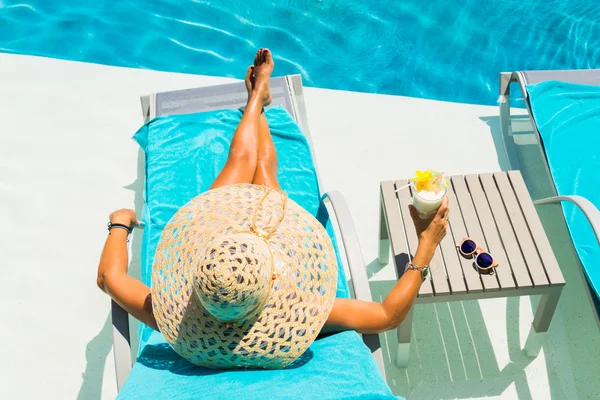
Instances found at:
x=496 y=211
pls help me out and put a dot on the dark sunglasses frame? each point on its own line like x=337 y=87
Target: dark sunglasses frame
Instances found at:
x=476 y=253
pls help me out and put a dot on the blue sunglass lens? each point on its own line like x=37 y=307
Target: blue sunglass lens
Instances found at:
x=484 y=260
x=468 y=247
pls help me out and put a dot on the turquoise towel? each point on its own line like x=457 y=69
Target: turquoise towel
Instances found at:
x=339 y=366
x=184 y=153
x=568 y=118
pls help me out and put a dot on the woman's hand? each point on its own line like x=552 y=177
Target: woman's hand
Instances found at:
x=124 y=216
x=431 y=231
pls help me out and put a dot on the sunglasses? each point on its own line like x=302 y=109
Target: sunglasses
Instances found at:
x=483 y=260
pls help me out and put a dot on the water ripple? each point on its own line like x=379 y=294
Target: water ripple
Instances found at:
x=20 y=5
x=412 y=48
x=294 y=64
x=205 y=26
x=210 y=52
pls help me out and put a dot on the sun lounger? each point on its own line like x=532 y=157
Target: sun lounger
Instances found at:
x=563 y=108
x=157 y=362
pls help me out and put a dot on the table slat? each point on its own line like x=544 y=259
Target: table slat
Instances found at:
x=490 y=282
x=534 y=263
x=404 y=200
x=494 y=243
x=456 y=280
x=456 y=233
x=513 y=250
x=537 y=230
x=439 y=279
x=395 y=226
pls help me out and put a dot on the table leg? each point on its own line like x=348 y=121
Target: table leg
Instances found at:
x=384 y=237
x=541 y=321
x=404 y=334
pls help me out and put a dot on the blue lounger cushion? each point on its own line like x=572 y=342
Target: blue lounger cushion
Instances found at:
x=339 y=366
x=184 y=153
x=568 y=119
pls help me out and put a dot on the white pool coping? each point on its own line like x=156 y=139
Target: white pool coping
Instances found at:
x=67 y=160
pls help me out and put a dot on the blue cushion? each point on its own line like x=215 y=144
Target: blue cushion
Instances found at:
x=568 y=118
x=335 y=367
x=184 y=153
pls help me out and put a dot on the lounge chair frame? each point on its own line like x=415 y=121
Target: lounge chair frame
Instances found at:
x=524 y=78
x=287 y=91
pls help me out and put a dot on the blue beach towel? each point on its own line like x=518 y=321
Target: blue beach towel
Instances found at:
x=568 y=118
x=184 y=153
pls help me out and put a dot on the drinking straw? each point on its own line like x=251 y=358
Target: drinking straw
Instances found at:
x=405 y=186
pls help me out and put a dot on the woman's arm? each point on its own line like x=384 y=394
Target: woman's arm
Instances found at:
x=128 y=292
x=371 y=317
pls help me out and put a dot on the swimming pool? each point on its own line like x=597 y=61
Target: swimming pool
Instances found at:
x=439 y=50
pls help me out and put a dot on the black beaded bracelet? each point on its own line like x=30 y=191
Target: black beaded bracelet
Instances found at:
x=120 y=226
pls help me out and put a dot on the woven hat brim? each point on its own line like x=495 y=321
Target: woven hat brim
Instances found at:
x=299 y=301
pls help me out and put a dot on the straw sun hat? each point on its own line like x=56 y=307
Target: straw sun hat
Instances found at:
x=243 y=277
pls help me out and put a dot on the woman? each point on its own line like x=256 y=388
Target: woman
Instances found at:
x=253 y=160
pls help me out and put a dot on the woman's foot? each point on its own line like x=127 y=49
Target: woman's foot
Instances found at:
x=249 y=80
x=258 y=76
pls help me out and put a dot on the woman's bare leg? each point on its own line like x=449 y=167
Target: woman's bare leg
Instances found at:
x=266 y=165
x=243 y=153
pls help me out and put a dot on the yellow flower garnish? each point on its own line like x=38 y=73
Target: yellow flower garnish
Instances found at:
x=425 y=180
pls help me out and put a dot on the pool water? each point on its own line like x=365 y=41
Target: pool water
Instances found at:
x=442 y=49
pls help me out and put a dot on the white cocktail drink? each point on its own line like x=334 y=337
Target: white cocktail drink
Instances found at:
x=427 y=202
